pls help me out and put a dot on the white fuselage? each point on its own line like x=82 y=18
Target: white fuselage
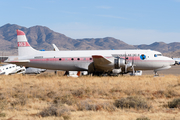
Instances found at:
x=80 y=60
x=11 y=69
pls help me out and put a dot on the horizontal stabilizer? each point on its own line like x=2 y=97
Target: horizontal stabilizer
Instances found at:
x=17 y=61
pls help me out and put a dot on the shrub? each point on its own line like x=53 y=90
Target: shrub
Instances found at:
x=3 y=104
x=65 y=98
x=143 y=118
x=2 y=115
x=78 y=93
x=108 y=106
x=94 y=106
x=55 y=110
x=132 y=102
x=174 y=104
x=87 y=105
x=21 y=100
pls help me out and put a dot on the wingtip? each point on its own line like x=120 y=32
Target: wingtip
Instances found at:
x=19 y=32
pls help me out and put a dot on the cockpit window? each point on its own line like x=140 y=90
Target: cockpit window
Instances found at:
x=155 y=55
x=159 y=54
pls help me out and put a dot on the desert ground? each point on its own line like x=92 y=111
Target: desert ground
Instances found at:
x=56 y=97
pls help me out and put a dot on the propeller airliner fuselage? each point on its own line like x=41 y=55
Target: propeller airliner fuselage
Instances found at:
x=93 y=61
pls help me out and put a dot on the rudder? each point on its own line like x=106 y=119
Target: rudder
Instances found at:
x=24 y=47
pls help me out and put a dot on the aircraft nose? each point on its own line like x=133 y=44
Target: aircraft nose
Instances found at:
x=172 y=62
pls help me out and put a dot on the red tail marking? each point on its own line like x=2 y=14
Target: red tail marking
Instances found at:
x=19 y=32
x=23 y=44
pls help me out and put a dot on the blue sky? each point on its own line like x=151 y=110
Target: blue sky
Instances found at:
x=132 y=21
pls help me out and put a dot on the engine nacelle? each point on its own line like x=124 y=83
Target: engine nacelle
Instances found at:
x=119 y=62
x=115 y=66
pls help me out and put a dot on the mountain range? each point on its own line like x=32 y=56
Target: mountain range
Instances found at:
x=41 y=37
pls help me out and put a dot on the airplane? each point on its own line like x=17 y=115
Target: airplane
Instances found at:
x=96 y=62
x=177 y=61
x=11 y=69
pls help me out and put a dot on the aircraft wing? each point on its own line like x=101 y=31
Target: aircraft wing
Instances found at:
x=98 y=59
x=101 y=63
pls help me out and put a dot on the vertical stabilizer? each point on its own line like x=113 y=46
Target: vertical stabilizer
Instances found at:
x=24 y=47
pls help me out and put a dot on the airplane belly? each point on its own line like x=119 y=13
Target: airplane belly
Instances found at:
x=56 y=65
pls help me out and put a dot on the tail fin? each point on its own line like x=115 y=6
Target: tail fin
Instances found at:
x=24 y=47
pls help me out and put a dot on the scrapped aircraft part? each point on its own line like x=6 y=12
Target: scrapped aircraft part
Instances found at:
x=31 y=70
x=2 y=73
x=116 y=71
x=143 y=57
x=177 y=61
x=136 y=73
x=76 y=73
x=10 y=69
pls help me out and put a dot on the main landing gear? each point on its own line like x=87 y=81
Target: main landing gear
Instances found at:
x=156 y=74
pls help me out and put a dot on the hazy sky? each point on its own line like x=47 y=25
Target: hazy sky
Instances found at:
x=132 y=21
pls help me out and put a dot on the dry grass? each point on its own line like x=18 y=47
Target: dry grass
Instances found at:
x=48 y=96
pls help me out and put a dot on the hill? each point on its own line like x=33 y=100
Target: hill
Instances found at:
x=41 y=37
x=161 y=46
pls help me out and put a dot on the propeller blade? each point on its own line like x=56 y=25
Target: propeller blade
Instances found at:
x=125 y=68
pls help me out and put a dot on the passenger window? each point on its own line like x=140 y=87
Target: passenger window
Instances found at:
x=78 y=59
x=59 y=59
x=155 y=55
x=72 y=58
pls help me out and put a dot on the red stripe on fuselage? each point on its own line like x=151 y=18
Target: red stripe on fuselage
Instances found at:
x=137 y=59
x=63 y=59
